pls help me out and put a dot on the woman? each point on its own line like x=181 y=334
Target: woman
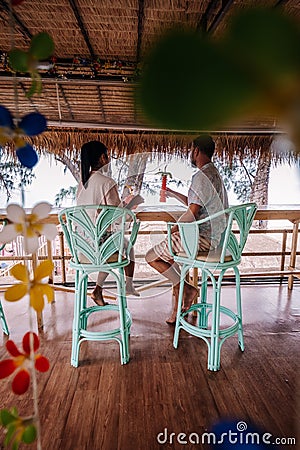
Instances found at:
x=96 y=188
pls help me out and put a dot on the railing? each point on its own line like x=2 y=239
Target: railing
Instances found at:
x=58 y=252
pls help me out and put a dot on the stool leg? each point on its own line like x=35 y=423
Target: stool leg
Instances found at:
x=76 y=321
x=202 y=314
x=3 y=321
x=124 y=346
x=184 y=271
x=82 y=299
x=239 y=308
x=214 y=350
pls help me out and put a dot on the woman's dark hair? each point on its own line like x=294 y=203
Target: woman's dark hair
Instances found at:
x=205 y=144
x=90 y=154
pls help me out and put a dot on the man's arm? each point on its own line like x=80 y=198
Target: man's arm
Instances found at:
x=189 y=215
x=173 y=194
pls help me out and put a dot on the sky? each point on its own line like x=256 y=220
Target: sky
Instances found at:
x=284 y=184
x=49 y=179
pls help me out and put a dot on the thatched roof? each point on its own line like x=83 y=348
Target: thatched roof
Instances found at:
x=99 y=45
x=227 y=145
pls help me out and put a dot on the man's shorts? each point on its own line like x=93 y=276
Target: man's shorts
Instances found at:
x=163 y=252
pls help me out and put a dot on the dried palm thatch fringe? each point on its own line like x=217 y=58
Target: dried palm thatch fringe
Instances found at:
x=228 y=146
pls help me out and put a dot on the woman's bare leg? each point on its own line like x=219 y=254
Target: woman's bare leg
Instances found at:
x=129 y=272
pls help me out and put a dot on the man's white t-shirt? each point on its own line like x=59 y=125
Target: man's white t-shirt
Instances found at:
x=207 y=190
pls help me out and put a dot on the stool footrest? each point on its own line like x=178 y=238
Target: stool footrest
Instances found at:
x=102 y=335
x=197 y=331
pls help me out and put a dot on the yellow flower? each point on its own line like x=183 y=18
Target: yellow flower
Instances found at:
x=36 y=289
x=28 y=225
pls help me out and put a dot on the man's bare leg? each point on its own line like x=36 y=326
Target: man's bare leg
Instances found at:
x=190 y=293
x=171 y=271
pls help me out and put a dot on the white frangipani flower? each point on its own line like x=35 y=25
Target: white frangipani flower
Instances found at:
x=28 y=225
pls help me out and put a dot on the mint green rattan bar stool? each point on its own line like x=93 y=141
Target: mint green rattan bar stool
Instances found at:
x=213 y=266
x=3 y=321
x=95 y=234
x=2 y=315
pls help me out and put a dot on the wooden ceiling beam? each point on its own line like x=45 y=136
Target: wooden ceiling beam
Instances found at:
x=280 y=3
x=61 y=89
x=203 y=24
x=75 y=81
x=132 y=127
x=226 y=4
x=24 y=30
x=81 y=25
x=141 y=18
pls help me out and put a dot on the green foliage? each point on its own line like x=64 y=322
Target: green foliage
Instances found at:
x=64 y=194
x=41 y=47
x=7 y=417
x=29 y=434
x=18 y=60
x=194 y=82
x=253 y=35
x=239 y=176
x=13 y=176
x=18 y=429
x=183 y=83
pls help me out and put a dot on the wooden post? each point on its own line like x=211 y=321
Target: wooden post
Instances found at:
x=283 y=250
x=293 y=253
x=62 y=252
x=49 y=256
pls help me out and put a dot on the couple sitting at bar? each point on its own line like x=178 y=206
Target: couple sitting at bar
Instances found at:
x=206 y=196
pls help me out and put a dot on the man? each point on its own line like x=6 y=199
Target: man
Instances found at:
x=206 y=196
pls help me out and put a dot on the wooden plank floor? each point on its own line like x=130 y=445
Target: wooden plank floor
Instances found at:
x=102 y=405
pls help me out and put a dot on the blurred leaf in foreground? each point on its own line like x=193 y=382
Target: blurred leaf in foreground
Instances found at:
x=193 y=82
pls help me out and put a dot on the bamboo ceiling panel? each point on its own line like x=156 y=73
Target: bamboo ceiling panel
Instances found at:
x=99 y=45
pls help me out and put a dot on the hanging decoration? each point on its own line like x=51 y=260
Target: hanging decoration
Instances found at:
x=28 y=225
x=30 y=125
x=36 y=288
x=23 y=364
x=19 y=361
x=41 y=48
x=18 y=429
x=78 y=67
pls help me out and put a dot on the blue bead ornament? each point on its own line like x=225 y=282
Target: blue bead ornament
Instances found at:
x=6 y=119
x=30 y=125
x=27 y=156
x=33 y=124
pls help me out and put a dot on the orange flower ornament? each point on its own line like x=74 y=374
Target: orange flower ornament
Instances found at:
x=20 y=362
